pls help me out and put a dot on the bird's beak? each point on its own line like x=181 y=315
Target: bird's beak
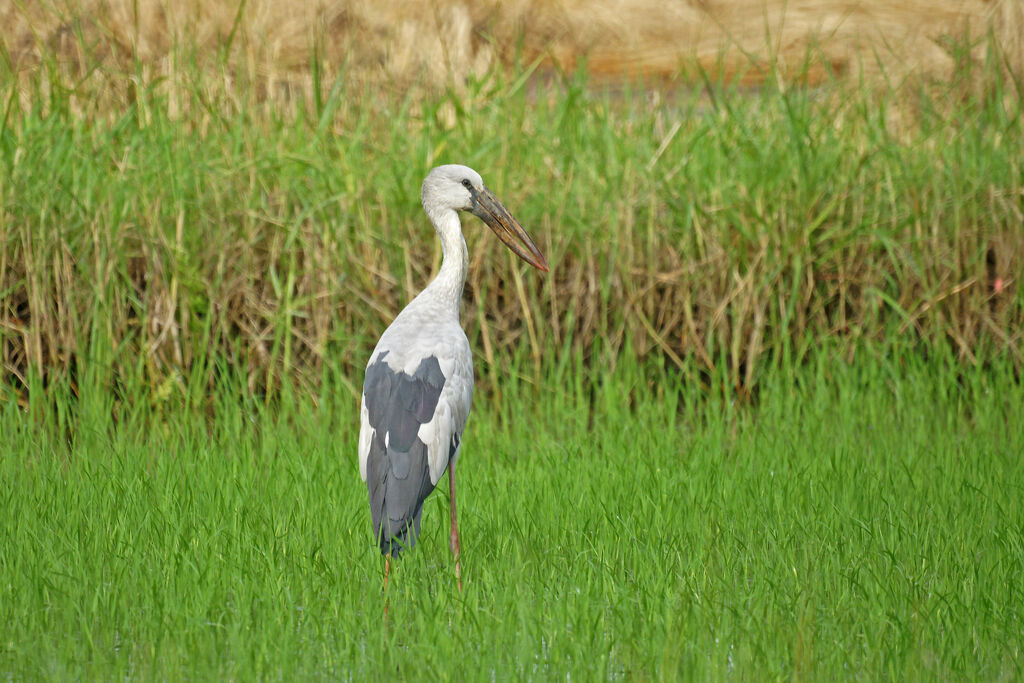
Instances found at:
x=491 y=211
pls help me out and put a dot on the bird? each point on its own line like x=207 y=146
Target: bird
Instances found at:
x=418 y=386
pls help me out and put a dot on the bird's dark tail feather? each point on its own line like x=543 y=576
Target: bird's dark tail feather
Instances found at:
x=399 y=537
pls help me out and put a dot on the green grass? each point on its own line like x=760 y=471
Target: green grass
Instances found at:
x=863 y=520
x=761 y=420
x=194 y=224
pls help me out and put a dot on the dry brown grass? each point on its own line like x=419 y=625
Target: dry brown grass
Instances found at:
x=728 y=290
x=449 y=41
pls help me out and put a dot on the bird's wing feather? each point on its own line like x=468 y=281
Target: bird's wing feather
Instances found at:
x=443 y=434
x=409 y=423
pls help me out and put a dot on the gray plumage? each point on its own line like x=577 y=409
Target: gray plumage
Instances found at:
x=397 y=405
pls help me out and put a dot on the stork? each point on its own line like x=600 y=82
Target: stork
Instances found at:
x=419 y=379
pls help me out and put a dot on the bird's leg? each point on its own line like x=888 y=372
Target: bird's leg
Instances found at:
x=387 y=570
x=453 y=542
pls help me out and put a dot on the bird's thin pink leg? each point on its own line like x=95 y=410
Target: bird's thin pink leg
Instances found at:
x=454 y=540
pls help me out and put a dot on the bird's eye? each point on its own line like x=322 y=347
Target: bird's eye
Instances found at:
x=466 y=184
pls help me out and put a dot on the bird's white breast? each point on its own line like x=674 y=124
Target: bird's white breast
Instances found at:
x=419 y=333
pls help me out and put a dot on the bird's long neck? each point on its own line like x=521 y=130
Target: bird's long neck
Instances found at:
x=446 y=288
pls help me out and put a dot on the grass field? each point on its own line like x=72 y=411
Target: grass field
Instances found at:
x=864 y=521
x=459 y=40
x=196 y=228
x=762 y=420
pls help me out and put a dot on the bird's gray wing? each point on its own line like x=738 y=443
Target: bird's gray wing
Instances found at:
x=395 y=406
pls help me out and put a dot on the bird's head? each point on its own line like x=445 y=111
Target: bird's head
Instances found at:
x=460 y=188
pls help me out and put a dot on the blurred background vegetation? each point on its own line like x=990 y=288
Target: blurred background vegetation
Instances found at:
x=195 y=191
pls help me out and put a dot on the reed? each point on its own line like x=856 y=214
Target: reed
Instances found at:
x=168 y=231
